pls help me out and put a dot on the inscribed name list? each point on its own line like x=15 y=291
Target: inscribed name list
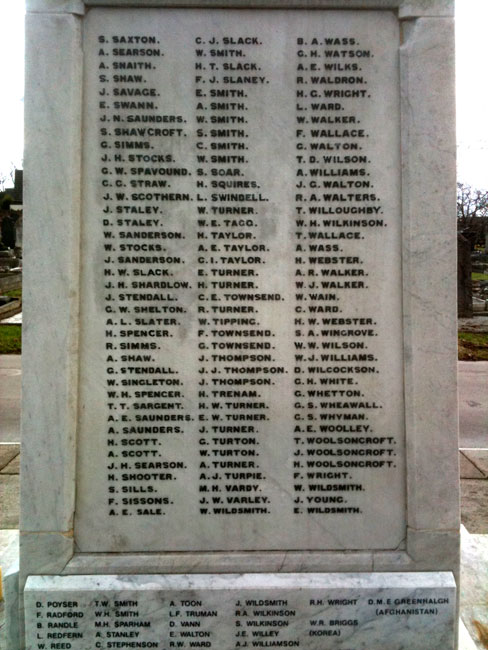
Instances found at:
x=341 y=611
x=241 y=337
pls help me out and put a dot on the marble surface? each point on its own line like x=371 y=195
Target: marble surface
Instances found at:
x=429 y=175
x=406 y=8
x=9 y=546
x=50 y=269
x=13 y=320
x=465 y=641
x=243 y=513
x=10 y=639
x=9 y=563
x=44 y=553
x=55 y=6
x=9 y=606
x=433 y=8
x=429 y=510
x=429 y=552
x=381 y=611
x=265 y=561
x=53 y=116
x=474 y=586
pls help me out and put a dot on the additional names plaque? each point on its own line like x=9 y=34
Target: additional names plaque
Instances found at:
x=315 y=611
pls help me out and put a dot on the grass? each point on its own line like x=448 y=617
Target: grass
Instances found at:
x=10 y=339
x=479 y=276
x=11 y=335
x=17 y=293
x=472 y=346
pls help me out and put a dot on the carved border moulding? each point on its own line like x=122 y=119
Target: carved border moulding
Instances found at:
x=406 y=8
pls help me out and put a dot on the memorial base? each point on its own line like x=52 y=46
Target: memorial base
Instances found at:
x=349 y=611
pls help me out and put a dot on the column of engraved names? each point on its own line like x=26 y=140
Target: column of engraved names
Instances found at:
x=59 y=623
x=194 y=623
x=264 y=622
x=142 y=182
x=120 y=622
x=337 y=210
x=258 y=618
x=237 y=361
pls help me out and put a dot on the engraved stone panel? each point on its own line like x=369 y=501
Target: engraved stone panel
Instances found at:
x=241 y=340
x=342 y=611
x=237 y=385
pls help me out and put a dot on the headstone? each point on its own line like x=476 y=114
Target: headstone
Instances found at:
x=465 y=288
x=240 y=429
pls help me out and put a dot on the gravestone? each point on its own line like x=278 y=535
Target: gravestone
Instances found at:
x=464 y=289
x=240 y=430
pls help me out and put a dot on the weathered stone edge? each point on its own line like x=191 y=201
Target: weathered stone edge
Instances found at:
x=406 y=8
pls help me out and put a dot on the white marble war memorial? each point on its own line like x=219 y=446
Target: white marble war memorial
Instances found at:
x=239 y=407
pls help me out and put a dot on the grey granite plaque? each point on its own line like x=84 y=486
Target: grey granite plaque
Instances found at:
x=384 y=611
x=241 y=341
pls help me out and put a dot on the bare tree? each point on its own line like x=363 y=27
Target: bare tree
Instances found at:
x=472 y=212
x=7 y=178
x=3 y=181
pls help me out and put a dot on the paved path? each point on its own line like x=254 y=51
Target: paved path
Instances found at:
x=10 y=378
x=473 y=401
x=473 y=404
x=473 y=418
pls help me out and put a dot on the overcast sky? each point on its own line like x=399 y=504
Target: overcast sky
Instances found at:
x=472 y=88
x=472 y=92
x=12 y=84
